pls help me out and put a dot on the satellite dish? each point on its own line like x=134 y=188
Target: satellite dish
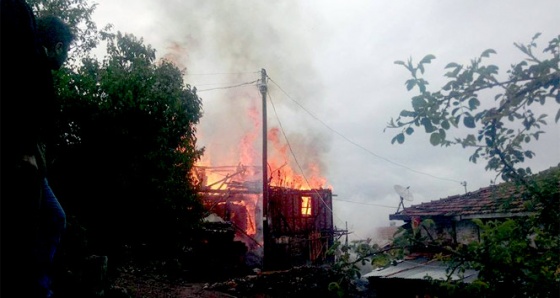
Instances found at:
x=404 y=193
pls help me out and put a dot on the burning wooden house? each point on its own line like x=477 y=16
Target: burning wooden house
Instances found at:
x=298 y=227
x=289 y=227
x=285 y=219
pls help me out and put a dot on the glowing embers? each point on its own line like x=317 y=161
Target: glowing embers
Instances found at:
x=306 y=205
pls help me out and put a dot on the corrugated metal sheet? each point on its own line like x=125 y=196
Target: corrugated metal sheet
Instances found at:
x=420 y=269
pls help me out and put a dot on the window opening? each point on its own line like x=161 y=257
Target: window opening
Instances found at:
x=305 y=205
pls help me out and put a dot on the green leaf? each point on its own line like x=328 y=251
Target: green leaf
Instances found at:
x=418 y=103
x=409 y=130
x=442 y=134
x=454 y=73
x=427 y=123
x=333 y=286
x=422 y=86
x=493 y=69
x=398 y=138
x=427 y=59
x=435 y=139
x=470 y=139
x=410 y=84
x=399 y=62
x=529 y=154
x=452 y=65
x=487 y=53
x=456 y=121
x=445 y=124
x=473 y=103
x=468 y=121
x=405 y=113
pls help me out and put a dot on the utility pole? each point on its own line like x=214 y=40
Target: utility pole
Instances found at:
x=263 y=89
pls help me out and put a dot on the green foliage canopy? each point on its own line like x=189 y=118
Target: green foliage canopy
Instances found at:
x=127 y=136
x=517 y=256
x=499 y=133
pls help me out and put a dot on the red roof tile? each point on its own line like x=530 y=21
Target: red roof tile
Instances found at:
x=505 y=199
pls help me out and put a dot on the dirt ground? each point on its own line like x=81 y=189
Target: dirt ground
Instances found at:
x=199 y=290
x=305 y=281
x=150 y=287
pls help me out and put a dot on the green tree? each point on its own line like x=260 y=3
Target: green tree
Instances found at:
x=516 y=257
x=78 y=15
x=127 y=136
x=348 y=257
x=126 y=140
x=126 y=143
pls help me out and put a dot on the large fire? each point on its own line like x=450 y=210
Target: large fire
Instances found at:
x=236 y=184
x=283 y=171
x=283 y=174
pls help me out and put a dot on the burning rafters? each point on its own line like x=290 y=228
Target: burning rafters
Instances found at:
x=227 y=179
x=232 y=193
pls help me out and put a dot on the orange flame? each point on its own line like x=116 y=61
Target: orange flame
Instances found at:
x=284 y=170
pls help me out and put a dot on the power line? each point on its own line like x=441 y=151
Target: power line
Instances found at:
x=220 y=73
x=358 y=145
x=228 y=87
x=364 y=203
x=216 y=84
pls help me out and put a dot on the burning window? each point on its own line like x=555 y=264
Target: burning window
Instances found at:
x=305 y=205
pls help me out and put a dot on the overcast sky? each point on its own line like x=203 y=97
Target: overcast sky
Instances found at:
x=334 y=85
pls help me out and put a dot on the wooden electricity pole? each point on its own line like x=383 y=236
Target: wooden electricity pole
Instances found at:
x=263 y=89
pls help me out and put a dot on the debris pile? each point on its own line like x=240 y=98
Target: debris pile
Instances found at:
x=303 y=281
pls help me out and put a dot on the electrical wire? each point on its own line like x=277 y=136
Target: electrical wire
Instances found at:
x=358 y=145
x=364 y=203
x=220 y=73
x=228 y=87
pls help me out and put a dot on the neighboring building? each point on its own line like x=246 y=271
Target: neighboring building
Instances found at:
x=453 y=215
x=452 y=225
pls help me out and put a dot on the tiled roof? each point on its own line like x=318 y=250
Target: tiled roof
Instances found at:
x=504 y=199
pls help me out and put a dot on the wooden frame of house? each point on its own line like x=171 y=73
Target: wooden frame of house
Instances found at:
x=292 y=227
x=298 y=227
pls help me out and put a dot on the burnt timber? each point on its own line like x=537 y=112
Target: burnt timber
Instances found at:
x=292 y=227
x=298 y=227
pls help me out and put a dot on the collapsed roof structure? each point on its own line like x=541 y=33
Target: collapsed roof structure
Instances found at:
x=290 y=227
